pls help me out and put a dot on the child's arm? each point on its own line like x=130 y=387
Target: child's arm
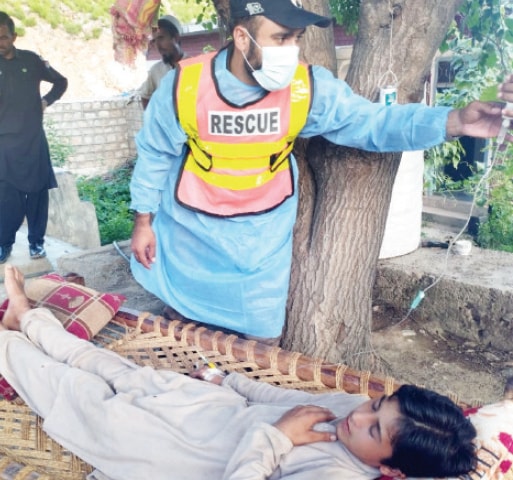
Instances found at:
x=261 y=449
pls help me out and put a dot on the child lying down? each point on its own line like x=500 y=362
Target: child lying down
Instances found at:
x=133 y=422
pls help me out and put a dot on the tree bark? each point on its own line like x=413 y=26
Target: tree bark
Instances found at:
x=318 y=43
x=345 y=193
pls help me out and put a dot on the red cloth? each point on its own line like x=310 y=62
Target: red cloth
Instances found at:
x=131 y=27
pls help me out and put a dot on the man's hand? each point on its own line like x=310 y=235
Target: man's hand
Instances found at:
x=482 y=119
x=143 y=240
x=297 y=424
x=477 y=119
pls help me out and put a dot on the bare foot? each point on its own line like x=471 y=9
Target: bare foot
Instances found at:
x=18 y=301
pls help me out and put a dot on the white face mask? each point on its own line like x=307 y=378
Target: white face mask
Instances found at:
x=279 y=65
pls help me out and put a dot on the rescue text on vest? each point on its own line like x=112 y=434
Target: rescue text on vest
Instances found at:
x=254 y=122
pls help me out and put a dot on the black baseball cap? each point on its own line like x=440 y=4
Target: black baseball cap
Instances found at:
x=284 y=12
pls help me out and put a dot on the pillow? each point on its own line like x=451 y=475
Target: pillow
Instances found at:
x=82 y=310
x=494 y=425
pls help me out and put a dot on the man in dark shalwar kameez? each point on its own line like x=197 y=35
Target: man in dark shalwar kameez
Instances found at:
x=26 y=172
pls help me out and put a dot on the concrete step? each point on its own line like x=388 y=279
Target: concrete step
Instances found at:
x=20 y=256
x=452 y=213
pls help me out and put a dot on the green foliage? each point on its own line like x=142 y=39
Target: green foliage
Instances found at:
x=77 y=17
x=95 y=33
x=435 y=160
x=497 y=232
x=481 y=43
x=29 y=22
x=346 y=13
x=72 y=28
x=88 y=19
x=110 y=194
x=189 y=11
x=59 y=151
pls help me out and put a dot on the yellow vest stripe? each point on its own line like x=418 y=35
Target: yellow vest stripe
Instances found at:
x=234 y=182
x=188 y=97
x=221 y=163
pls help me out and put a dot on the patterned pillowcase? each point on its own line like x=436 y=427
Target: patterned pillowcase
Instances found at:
x=82 y=310
x=494 y=425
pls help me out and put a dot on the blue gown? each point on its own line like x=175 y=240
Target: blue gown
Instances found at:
x=234 y=272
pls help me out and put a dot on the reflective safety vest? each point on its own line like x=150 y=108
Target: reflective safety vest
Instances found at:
x=237 y=161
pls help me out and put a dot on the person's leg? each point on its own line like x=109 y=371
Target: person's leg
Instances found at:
x=12 y=212
x=33 y=374
x=48 y=334
x=112 y=431
x=37 y=219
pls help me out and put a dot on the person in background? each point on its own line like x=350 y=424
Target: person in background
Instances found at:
x=135 y=423
x=26 y=172
x=167 y=40
x=215 y=185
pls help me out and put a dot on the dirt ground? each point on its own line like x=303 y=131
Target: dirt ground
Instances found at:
x=419 y=353
x=462 y=369
x=410 y=352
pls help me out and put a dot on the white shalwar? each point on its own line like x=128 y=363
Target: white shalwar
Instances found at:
x=138 y=423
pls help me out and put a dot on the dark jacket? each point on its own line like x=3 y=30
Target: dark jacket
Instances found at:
x=24 y=155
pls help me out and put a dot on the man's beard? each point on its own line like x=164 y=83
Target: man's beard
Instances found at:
x=173 y=58
x=252 y=56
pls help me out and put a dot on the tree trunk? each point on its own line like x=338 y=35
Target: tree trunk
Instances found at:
x=345 y=193
x=318 y=43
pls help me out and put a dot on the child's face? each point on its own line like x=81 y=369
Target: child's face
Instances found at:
x=367 y=431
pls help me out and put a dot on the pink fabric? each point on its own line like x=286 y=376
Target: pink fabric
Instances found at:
x=131 y=27
x=196 y=193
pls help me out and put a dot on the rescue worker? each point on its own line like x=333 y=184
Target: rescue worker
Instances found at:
x=215 y=185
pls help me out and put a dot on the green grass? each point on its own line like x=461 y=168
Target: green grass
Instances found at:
x=110 y=194
x=87 y=19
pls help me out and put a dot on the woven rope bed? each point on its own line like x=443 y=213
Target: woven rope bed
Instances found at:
x=27 y=453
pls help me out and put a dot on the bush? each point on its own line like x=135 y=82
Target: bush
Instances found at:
x=59 y=151
x=497 y=232
x=110 y=194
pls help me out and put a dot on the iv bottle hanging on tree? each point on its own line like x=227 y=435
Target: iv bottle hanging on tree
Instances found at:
x=388 y=95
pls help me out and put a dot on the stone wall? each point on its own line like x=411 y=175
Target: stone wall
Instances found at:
x=100 y=132
x=69 y=218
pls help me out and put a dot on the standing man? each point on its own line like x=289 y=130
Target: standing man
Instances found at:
x=167 y=39
x=215 y=184
x=26 y=172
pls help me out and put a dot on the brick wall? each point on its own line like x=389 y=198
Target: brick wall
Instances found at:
x=100 y=132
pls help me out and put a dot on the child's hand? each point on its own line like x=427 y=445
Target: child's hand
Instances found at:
x=209 y=374
x=297 y=424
